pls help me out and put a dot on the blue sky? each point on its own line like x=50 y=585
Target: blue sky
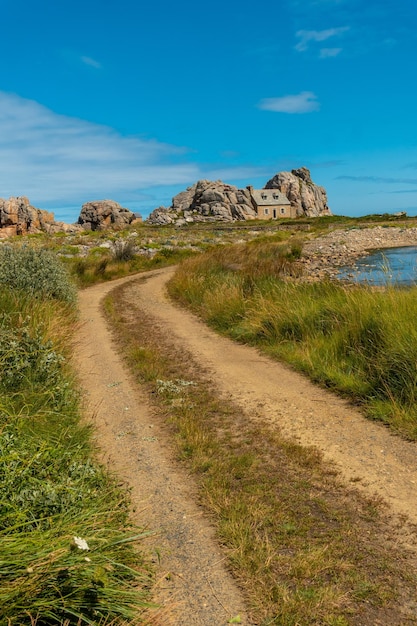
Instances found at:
x=135 y=101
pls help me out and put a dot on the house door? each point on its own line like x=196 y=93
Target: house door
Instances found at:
x=274 y=213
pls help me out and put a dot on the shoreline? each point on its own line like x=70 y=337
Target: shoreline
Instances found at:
x=324 y=256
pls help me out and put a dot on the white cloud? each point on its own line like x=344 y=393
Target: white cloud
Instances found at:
x=327 y=53
x=57 y=160
x=307 y=36
x=91 y=62
x=304 y=102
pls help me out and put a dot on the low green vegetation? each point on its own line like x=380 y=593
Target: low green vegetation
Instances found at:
x=67 y=551
x=305 y=549
x=357 y=340
x=34 y=271
x=120 y=261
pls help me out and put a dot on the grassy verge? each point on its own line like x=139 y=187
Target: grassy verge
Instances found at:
x=67 y=552
x=304 y=549
x=357 y=340
x=102 y=266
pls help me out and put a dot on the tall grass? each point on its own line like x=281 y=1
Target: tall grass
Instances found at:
x=357 y=340
x=66 y=553
x=119 y=262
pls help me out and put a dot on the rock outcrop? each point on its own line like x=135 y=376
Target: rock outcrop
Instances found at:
x=309 y=199
x=103 y=214
x=206 y=201
x=18 y=217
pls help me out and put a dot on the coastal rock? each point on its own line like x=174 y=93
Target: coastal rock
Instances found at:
x=206 y=201
x=18 y=217
x=309 y=199
x=103 y=214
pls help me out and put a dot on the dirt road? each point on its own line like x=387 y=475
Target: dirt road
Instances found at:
x=192 y=579
x=191 y=569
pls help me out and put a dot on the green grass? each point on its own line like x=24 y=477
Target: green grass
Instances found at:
x=52 y=489
x=87 y=271
x=357 y=340
x=304 y=549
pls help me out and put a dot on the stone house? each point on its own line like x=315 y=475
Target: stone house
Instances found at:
x=271 y=204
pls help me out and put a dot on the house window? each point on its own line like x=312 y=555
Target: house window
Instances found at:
x=282 y=211
x=275 y=196
x=266 y=211
x=264 y=196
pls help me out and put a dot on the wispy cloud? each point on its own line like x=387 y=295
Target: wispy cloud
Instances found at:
x=380 y=179
x=57 y=160
x=327 y=53
x=402 y=191
x=304 y=102
x=305 y=37
x=91 y=62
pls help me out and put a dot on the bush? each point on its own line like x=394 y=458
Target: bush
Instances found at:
x=36 y=271
x=124 y=249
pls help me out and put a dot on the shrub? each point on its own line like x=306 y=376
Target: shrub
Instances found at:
x=35 y=271
x=124 y=249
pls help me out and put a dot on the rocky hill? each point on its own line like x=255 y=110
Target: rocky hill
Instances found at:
x=209 y=201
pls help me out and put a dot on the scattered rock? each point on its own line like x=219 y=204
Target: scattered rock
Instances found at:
x=309 y=199
x=102 y=214
x=325 y=256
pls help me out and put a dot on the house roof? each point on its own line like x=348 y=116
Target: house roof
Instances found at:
x=269 y=197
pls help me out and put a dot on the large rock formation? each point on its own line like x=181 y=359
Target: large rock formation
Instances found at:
x=308 y=199
x=102 y=214
x=18 y=217
x=206 y=201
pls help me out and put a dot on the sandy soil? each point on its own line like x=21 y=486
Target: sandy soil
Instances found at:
x=191 y=571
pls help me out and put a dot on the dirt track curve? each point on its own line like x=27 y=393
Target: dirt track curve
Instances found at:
x=202 y=591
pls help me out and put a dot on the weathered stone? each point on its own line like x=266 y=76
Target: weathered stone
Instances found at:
x=18 y=217
x=63 y=227
x=103 y=214
x=206 y=201
x=308 y=199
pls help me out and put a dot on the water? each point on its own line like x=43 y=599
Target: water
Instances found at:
x=396 y=266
